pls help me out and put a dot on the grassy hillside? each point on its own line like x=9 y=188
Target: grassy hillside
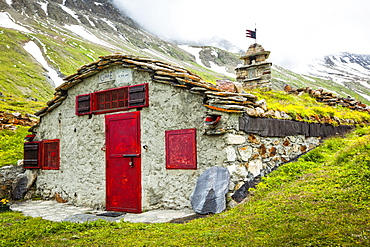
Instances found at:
x=21 y=79
x=320 y=200
x=11 y=145
x=306 y=108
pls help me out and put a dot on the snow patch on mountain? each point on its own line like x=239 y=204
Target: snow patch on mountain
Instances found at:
x=193 y=51
x=8 y=22
x=220 y=69
x=35 y=51
x=82 y=32
x=90 y=22
x=44 y=6
x=109 y=23
x=70 y=12
x=218 y=42
x=364 y=95
x=343 y=67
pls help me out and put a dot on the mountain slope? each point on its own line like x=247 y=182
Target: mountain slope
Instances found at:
x=73 y=33
x=282 y=77
x=70 y=33
x=346 y=69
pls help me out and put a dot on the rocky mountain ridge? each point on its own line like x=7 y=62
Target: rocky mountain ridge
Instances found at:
x=347 y=69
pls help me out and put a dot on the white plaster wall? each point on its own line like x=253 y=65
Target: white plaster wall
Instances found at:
x=81 y=178
x=170 y=109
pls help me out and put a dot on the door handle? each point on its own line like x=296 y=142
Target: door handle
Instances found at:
x=131 y=156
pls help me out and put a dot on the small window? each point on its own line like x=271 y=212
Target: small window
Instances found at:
x=181 y=150
x=50 y=154
x=42 y=154
x=31 y=155
x=112 y=100
x=83 y=104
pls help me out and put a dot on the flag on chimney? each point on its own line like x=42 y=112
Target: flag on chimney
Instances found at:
x=251 y=34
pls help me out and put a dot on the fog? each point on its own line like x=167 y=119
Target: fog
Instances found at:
x=294 y=31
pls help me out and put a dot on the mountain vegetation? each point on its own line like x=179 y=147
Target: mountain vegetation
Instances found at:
x=320 y=200
x=72 y=33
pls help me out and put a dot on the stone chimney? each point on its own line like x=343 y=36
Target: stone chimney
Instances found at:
x=256 y=71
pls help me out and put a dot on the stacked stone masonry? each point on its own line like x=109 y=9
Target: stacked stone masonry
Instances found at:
x=254 y=76
x=251 y=156
x=330 y=99
x=256 y=71
x=10 y=120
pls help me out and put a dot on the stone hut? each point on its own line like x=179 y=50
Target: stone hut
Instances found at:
x=256 y=71
x=128 y=133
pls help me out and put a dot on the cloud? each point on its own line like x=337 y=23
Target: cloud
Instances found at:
x=294 y=31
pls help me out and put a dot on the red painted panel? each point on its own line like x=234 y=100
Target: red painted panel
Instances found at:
x=50 y=154
x=123 y=167
x=181 y=149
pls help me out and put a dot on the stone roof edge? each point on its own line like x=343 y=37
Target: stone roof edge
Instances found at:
x=162 y=73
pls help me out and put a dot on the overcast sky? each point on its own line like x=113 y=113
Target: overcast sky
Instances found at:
x=294 y=31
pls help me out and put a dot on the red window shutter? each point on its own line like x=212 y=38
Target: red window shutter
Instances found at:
x=83 y=104
x=181 y=149
x=50 y=155
x=138 y=96
x=31 y=155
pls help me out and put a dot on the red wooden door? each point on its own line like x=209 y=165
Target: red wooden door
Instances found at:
x=123 y=167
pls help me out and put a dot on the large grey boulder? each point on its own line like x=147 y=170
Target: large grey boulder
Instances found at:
x=209 y=195
x=22 y=184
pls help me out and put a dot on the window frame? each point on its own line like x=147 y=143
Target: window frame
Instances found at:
x=129 y=99
x=42 y=151
x=108 y=110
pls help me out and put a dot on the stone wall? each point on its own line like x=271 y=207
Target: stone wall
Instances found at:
x=254 y=76
x=330 y=98
x=8 y=175
x=250 y=156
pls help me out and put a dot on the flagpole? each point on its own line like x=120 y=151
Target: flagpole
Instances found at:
x=255 y=29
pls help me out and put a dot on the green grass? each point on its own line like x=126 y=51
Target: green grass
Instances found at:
x=305 y=107
x=11 y=145
x=320 y=200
